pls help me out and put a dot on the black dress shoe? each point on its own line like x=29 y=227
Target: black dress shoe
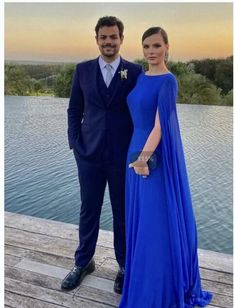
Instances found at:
x=77 y=274
x=118 y=283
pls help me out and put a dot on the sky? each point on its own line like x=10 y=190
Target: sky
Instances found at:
x=65 y=31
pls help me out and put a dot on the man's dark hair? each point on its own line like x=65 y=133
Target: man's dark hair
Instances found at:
x=109 y=21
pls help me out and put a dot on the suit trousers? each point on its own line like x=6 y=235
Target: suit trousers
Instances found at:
x=93 y=177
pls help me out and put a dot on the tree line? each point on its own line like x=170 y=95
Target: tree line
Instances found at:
x=207 y=81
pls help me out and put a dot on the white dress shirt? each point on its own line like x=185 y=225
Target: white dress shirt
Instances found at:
x=114 y=65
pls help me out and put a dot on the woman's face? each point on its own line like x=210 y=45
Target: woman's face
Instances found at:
x=154 y=49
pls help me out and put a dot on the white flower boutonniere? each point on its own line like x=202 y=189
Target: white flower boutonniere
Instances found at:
x=123 y=74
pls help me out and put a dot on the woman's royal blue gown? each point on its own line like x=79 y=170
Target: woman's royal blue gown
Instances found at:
x=162 y=268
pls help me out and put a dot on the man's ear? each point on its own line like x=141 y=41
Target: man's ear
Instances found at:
x=122 y=38
x=96 y=38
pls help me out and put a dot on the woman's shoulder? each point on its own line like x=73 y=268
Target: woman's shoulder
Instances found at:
x=170 y=80
x=167 y=79
x=171 y=77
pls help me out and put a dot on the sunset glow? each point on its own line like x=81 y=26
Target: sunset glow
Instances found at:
x=65 y=31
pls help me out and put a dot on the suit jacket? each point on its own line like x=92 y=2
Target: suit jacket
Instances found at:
x=99 y=121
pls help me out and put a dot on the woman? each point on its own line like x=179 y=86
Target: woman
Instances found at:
x=161 y=263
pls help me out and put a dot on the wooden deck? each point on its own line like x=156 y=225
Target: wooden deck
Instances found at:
x=39 y=253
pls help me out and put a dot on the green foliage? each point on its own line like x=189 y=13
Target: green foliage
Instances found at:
x=64 y=80
x=224 y=75
x=205 y=67
x=219 y=71
x=208 y=81
x=16 y=81
x=24 y=79
x=177 y=68
x=41 y=71
x=37 y=87
x=180 y=68
x=143 y=63
x=196 y=89
x=228 y=99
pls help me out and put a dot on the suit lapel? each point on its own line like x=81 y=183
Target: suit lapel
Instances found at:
x=117 y=82
x=96 y=69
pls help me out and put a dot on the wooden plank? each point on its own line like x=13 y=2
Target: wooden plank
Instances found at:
x=58 y=272
x=216 y=276
x=45 y=243
x=207 y=259
x=93 y=294
x=218 y=288
x=101 y=283
x=84 y=291
x=14 y=300
x=39 y=242
x=222 y=301
x=48 y=258
x=36 y=250
x=50 y=296
x=41 y=268
x=33 y=278
x=99 y=295
x=215 y=260
x=53 y=228
x=11 y=260
x=108 y=271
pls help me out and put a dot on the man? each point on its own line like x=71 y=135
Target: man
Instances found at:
x=99 y=132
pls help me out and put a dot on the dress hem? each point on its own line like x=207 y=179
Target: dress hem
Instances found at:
x=202 y=301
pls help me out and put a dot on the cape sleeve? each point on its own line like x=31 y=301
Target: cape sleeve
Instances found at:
x=182 y=225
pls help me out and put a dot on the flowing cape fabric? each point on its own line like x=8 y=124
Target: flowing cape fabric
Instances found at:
x=182 y=225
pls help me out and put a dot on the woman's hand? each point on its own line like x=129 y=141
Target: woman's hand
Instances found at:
x=140 y=167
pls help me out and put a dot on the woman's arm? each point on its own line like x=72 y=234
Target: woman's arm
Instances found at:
x=140 y=165
x=152 y=141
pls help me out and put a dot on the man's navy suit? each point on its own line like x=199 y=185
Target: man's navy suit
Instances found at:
x=99 y=132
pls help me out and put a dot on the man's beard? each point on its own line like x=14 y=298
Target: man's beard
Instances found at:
x=108 y=45
x=113 y=50
x=109 y=55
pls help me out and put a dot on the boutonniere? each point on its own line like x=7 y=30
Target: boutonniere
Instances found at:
x=123 y=73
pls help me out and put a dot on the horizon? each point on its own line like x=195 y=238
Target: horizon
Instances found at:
x=72 y=62
x=64 y=32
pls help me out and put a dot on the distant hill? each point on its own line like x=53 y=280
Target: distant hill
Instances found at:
x=21 y=62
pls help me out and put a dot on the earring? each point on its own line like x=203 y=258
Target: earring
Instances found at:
x=166 y=56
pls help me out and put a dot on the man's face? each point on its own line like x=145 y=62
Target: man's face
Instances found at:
x=109 y=41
